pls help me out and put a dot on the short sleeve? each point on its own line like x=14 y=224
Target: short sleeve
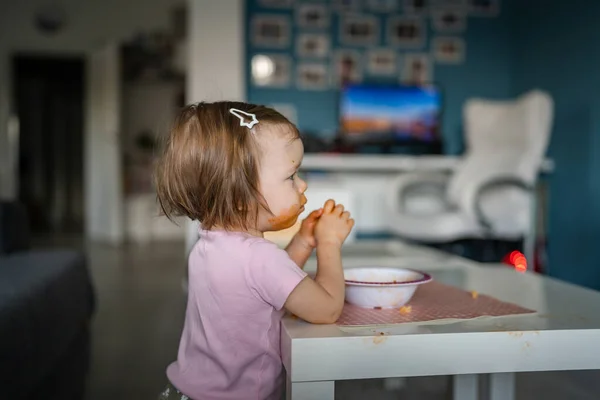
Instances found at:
x=272 y=274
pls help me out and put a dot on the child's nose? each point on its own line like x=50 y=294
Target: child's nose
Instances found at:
x=303 y=186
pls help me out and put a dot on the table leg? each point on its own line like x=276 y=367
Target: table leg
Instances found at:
x=466 y=387
x=324 y=390
x=502 y=386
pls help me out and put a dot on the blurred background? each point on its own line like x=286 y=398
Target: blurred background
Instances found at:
x=468 y=126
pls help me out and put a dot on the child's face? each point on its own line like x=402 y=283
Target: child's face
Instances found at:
x=279 y=182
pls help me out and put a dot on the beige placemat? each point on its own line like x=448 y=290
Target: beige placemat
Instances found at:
x=432 y=301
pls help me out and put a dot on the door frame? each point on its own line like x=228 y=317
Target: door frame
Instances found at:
x=103 y=188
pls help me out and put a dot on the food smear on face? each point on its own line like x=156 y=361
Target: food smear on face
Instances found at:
x=288 y=217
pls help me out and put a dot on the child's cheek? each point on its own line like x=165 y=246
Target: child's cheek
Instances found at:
x=286 y=218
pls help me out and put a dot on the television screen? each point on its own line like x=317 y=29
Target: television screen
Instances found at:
x=397 y=113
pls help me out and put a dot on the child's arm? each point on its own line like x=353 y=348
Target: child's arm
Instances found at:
x=303 y=242
x=321 y=300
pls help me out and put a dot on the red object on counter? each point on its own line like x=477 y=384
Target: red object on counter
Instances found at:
x=517 y=260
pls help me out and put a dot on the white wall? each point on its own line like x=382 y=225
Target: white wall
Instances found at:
x=216 y=56
x=216 y=50
x=103 y=165
x=91 y=25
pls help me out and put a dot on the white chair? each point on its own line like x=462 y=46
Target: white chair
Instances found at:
x=489 y=194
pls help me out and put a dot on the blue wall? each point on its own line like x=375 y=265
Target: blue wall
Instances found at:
x=559 y=53
x=485 y=72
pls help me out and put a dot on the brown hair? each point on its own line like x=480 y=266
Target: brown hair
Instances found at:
x=208 y=170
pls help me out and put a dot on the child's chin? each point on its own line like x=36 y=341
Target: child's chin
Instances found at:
x=292 y=224
x=287 y=225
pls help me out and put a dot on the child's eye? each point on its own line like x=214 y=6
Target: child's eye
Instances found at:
x=292 y=177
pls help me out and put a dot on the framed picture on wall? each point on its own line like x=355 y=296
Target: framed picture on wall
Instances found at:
x=276 y=3
x=448 y=50
x=271 y=70
x=312 y=16
x=484 y=8
x=407 y=31
x=312 y=76
x=449 y=19
x=416 y=69
x=359 y=30
x=382 y=62
x=382 y=5
x=347 y=67
x=312 y=45
x=271 y=31
x=346 y=5
x=415 y=6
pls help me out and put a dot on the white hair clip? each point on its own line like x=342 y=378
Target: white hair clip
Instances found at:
x=243 y=116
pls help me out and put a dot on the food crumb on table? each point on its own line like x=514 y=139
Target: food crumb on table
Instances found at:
x=474 y=294
x=377 y=308
x=405 y=310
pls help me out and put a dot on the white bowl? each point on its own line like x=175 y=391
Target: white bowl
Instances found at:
x=382 y=287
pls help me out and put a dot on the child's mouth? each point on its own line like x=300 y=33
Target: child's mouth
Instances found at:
x=302 y=203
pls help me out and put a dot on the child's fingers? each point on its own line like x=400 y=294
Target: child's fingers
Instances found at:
x=339 y=209
x=329 y=204
x=346 y=215
x=351 y=223
x=314 y=215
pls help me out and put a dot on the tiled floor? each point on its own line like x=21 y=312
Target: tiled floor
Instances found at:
x=136 y=333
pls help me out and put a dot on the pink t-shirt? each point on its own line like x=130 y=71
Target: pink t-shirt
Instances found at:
x=230 y=345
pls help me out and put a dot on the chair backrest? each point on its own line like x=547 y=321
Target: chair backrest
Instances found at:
x=504 y=139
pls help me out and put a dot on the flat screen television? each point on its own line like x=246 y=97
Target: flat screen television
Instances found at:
x=392 y=114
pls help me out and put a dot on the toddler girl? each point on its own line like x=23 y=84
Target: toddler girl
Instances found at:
x=233 y=167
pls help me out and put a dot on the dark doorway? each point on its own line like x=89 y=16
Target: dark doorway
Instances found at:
x=48 y=94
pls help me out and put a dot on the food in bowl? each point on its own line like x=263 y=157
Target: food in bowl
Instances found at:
x=375 y=287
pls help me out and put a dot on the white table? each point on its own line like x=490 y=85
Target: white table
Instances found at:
x=563 y=335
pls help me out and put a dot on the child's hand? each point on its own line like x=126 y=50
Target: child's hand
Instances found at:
x=307 y=228
x=334 y=225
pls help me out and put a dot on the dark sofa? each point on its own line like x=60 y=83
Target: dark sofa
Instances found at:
x=46 y=307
